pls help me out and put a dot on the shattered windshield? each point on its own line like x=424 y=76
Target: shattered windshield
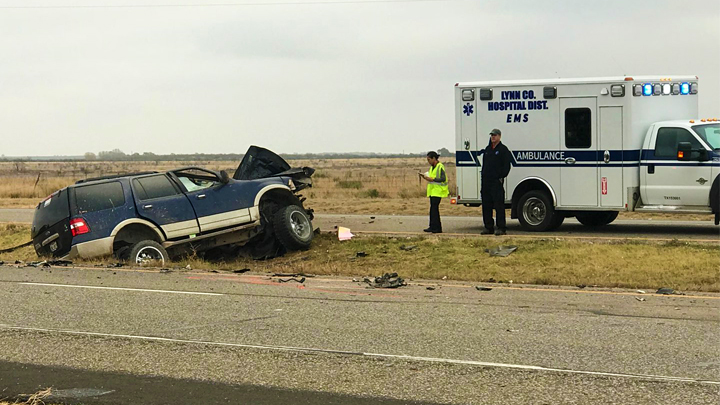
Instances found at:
x=709 y=133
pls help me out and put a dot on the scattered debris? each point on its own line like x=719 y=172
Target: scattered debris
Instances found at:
x=344 y=233
x=640 y=292
x=112 y=265
x=665 y=291
x=501 y=251
x=355 y=280
x=430 y=288
x=388 y=280
x=292 y=275
x=511 y=330
x=162 y=271
x=444 y=277
x=361 y=254
x=241 y=271
x=188 y=267
x=372 y=217
x=581 y=286
x=301 y=280
x=371 y=222
x=316 y=231
x=481 y=288
x=2 y=262
x=641 y=299
x=408 y=248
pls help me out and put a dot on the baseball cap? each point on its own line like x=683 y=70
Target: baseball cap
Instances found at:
x=495 y=132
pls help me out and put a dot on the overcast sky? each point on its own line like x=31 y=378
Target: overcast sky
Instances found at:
x=208 y=76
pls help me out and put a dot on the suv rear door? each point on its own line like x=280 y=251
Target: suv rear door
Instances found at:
x=51 y=226
x=160 y=201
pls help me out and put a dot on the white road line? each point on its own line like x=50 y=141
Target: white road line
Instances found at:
x=122 y=289
x=374 y=355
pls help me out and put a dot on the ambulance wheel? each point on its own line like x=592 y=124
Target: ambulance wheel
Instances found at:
x=537 y=213
x=596 y=218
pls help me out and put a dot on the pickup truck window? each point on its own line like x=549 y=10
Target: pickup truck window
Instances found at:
x=98 y=197
x=578 y=128
x=709 y=133
x=667 y=141
x=151 y=187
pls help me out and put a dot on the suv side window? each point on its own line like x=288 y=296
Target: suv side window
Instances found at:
x=194 y=179
x=667 y=141
x=151 y=187
x=98 y=197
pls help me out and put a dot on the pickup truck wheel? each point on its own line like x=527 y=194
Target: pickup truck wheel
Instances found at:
x=596 y=218
x=293 y=228
x=537 y=213
x=148 y=252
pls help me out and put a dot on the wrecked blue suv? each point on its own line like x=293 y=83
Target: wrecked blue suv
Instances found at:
x=151 y=216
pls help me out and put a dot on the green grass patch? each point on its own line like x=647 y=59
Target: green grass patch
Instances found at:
x=351 y=184
x=647 y=265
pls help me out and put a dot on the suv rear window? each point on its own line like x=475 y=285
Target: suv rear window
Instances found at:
x=51 y=211
x=99 y=197
x=151 y=187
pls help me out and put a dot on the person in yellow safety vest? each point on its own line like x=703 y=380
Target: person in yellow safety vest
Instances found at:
x=437 y=188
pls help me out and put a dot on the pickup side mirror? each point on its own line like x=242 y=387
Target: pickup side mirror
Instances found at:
x=684 y=151
x=224 y=178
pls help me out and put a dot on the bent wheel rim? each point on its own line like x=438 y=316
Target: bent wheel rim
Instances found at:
x=149 y=254
x=300 y=225
x=534 y=211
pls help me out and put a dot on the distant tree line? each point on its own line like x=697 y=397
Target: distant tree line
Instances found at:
x=118 y=155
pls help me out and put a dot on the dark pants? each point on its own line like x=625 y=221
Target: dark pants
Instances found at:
x=493 y=197
x=435 y=224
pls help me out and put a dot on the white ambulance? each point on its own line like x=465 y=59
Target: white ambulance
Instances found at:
x=590 y=148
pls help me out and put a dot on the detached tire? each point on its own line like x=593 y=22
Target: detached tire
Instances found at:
x=148 y=252
x=537 y=213
x=596 y=218
x=293 y=228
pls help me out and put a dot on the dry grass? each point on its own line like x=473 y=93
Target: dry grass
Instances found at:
x=37 y=398
x=627 y=264
x=341 y=186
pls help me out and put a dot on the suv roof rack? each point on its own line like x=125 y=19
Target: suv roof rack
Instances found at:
x=115 y=176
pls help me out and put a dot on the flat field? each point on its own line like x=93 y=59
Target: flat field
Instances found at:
x=341 y=186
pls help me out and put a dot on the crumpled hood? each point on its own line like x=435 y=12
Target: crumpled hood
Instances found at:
x=259 y=163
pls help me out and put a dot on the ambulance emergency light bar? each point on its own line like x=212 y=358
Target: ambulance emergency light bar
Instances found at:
x=665 y=89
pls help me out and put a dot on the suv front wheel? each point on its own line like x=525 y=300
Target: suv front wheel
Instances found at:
x=148 y=252
x=293 y=228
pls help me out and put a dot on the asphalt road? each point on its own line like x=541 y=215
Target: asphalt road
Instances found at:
x=118 y=336
x=636 y=229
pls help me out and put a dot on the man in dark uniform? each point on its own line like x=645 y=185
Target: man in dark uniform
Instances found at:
x=495 y=167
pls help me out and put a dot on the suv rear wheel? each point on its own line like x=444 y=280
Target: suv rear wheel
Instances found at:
x=293 y=227
x=148 y=252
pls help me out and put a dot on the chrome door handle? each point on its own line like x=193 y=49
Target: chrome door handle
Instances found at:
x=201 y=196
x=606 y=156
x=147 y=207
x=570 y=161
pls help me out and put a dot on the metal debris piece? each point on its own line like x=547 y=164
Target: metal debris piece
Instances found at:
x=316 y=231
x=430 y=288
x=641 y=299
x=408 y=248
x=387 y=280
x=113 y=265
x=501 y=251
x=241 y=271
x=665 y=291
x=292 y=275
x=481 y=288
x=361 y=254
x=640 y=292
x=581 y=286
x=301 y=280
x=165 y=271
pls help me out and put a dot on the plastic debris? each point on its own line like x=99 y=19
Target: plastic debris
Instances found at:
x=665 y=291
x=641 y=299
x=408 y=248
x=640 y=292
x=361 y=254
x=344 y=233
x=301 y=280
x=481 y=288
x=387 y=280
x=430 y=288
x=501 y=251
x=241 y=271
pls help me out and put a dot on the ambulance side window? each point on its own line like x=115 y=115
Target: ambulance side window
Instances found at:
x=578 y=128
x=667 y=141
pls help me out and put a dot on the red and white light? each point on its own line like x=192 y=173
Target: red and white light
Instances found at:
x=78 y=226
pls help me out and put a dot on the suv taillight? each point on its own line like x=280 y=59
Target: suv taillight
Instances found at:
x=78 y=227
